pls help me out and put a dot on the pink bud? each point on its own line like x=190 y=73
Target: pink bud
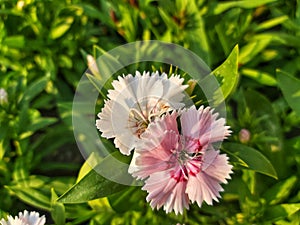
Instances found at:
x=244 y=136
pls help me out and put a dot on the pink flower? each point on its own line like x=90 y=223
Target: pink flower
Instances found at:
x=179 y=168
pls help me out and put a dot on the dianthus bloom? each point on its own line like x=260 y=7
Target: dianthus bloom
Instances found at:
x=26 y=218
x=182 y=167
x=134 y=103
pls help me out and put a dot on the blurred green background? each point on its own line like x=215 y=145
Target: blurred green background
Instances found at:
x=43 y=54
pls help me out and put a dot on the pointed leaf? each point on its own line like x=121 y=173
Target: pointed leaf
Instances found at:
x=61 y=27
x=280 y=190
x=253 y=159
x=290 y=87
x=246 y=4
x=277 y=212
x=227 y=73
x=94 y=185
x=57 y=209
x=259 y=76
x=31 y=196
x=35 y=88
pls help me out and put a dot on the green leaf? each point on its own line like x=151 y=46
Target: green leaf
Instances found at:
x=246 y=4
x=227 y=73
x=94 y=185
x=34 y=89
x=39 y=123
x=290 y=87
x=31 y=196
x=262 y=109
x=126 y=200
x=271 y=23
x=250 y=158
x=61 y=27
x=279 y=38
x=57 y=209
x=280 y=191
x=17 y=41
x=282 y=211
x=171 y=24
x=249 y=51
x=259 y=76
x=88 y=165
x=196 y=38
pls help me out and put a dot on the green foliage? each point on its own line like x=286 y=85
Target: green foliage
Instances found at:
x=227 y=73
x=290 y=87
x=253 y=50
x=93 y=185
x=251 y=159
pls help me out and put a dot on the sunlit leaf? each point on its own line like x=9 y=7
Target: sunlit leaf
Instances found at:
x=61 y=27
x=259 y=76
x=249 y=51
x=227 y=73
x=88 y=165
x=57 y=209
x=247 y=4
x=271 y=23
x=280 y=191
x=282 y=211
x=279 y=38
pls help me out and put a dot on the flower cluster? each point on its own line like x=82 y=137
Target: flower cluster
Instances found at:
x=175 y=148
x=25 y=218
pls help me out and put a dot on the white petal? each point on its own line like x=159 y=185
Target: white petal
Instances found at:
x=141 y=93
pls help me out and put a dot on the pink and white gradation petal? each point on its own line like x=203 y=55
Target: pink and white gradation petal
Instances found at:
x=182 y=167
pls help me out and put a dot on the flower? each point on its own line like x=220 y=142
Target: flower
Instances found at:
x=179 y=168
x=136 y=101
x=3 y=96
x=26 y=218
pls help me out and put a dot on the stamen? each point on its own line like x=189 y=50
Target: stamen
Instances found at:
x=134 y=112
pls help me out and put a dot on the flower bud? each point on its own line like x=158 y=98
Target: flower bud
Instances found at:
x=3 y=96
x=244 y=136
x=92 y=65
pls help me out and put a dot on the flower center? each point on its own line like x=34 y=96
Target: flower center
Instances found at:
x=188 y=160
x=139 y=119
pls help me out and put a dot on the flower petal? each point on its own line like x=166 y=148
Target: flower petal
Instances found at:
x=136 y=101
x=166 y=191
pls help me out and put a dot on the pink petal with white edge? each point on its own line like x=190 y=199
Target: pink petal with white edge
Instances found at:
x=165 y=191
x=215 y=170
x=216 y=165
x=153 y=154
x=203 y=125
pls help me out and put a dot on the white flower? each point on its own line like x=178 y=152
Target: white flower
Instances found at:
x=136 y=101
x=3 y=96
x=26 y=218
